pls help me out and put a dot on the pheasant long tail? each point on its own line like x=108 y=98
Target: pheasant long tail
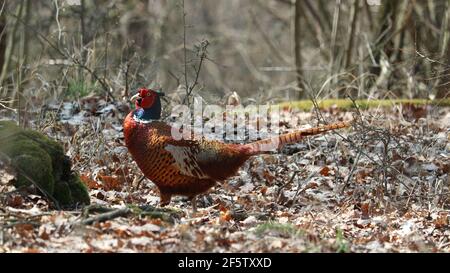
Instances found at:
x=270 y=144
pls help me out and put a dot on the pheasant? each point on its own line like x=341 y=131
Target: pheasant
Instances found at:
x=188 y=167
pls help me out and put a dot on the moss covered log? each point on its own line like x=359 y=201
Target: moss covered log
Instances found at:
x=41 y=161
x=345 y=104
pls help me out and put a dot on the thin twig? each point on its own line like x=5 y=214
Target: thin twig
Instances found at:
x=301 y=190
x=202 y=54
x=8 y=108
x=352 y=171
x=286 y=184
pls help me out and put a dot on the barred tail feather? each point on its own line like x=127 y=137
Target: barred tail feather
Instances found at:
x=277 y=142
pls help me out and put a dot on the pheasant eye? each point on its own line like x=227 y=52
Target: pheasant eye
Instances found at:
x=143 y=92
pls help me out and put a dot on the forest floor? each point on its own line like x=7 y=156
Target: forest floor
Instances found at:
x=381 y=186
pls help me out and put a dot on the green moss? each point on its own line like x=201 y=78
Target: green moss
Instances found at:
x=63 y=194
x=34 y=168
x=60 y=163
x=40 y=160
x=78 y=190
x=345 y=104
x=341 y=243
x=287 y=230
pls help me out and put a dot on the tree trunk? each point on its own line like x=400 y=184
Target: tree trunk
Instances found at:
x=383 y=39
x=297 y=49
x=3 y=34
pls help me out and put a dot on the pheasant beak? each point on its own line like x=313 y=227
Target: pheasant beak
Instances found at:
x=135 y=97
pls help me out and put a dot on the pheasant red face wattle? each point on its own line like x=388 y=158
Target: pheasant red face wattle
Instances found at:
x=145 y=98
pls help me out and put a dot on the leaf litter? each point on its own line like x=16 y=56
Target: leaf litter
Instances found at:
x=381 y=187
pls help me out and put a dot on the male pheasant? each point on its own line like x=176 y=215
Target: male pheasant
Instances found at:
x=188 y=167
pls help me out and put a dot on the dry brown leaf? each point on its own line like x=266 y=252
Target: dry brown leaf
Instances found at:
x=415 y=112
x=90 y=183
x=361 y=175
x=43 y=234
x=32 y=250
x=325 y=171
x=311 y=185
x=15 y=201
x=263 y=190
x=225 y=216
x=442 y=220
x=24 y=230
x=268 y=176
x=365 y=211
x=110 y=182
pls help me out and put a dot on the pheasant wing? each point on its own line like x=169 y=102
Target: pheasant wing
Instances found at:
x=186 y=155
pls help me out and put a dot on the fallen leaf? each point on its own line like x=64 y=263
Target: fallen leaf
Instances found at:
x=268 y=176
x=442 y=220
x=225 y=216
x=110 y=182
x=24 y=230
x=365 y=211
x=325 y=171
x=263 y=190
x=32 y=250
x=44 y=232
x=15 y=201
x=90 y=183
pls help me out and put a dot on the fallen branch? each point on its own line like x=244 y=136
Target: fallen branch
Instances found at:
x=165 y=214
x=106 y=216
x=94 y=208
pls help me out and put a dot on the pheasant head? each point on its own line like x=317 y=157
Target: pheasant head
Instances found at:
x=148 y=104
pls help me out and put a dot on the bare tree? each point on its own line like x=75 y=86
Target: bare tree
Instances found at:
x=298 y=48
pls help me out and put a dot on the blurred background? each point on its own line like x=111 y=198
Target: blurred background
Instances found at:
x=274 y=50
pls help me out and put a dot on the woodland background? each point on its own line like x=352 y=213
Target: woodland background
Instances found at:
x=67 y=68
x=70 y=49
